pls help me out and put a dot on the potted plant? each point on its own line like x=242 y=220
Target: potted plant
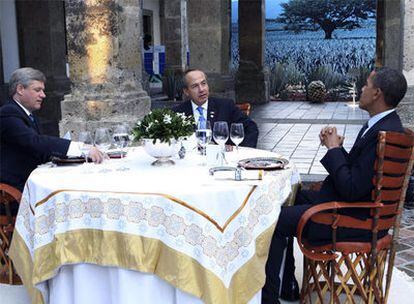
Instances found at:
x=161 y=132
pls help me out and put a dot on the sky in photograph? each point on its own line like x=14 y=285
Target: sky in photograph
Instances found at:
x=273 y=9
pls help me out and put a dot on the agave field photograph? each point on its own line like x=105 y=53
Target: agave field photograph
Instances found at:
x=319 y=50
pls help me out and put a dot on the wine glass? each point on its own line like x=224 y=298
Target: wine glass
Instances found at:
x=221 y=135
x=203 y=135
x=102 y=139
x=86 y=138
x=121 y=137
x=237 y=134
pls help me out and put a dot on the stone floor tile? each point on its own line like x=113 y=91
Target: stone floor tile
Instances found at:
x=399 y=261
x=407 y=255
x=407 y=271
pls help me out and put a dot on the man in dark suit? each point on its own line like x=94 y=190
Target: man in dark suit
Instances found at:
x=22 y=147
x=350 y=179
x=214 y=109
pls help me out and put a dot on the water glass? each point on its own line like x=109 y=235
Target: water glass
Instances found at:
x=221 y=135
x=86 y=138
x=203 y=135
x=102 y=139
x=121 y=137
x=237 y=134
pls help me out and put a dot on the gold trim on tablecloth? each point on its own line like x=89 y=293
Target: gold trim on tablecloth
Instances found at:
x=23 y=263
x=142 y=254
x=170 y=197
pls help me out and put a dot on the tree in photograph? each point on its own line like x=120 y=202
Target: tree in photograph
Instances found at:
x=328 y=15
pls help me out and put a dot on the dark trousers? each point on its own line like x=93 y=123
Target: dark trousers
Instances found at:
x=316 y=234
x=285 y=230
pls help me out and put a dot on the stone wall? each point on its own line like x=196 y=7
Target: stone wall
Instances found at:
x=406 y=107
x=408 y=51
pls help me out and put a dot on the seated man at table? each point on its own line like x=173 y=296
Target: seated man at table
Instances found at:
x=22 y=146
x=205 y=108
x=350 y=180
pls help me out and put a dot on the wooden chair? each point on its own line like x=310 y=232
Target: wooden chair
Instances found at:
x=244 y=107
x=8 y=197
x=360 y=268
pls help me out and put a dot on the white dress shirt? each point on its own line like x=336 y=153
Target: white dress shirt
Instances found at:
x=374 y=119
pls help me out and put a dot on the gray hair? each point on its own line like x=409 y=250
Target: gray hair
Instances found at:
x=24 y=76
x=184 y=79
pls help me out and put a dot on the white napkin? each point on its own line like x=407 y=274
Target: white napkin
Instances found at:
x=67 y=136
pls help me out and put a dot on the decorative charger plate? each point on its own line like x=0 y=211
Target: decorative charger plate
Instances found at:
x=68 y=161
x=263 y=163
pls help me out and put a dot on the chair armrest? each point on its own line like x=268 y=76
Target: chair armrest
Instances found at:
x=13 y=192
x=324 y=207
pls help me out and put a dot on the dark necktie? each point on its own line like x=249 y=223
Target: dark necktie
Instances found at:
x=34 y=122
x=364 y=127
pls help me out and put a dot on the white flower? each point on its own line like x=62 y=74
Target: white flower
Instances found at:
x=149 y=126
x=167 y=119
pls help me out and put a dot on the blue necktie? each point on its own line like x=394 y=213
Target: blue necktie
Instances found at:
x=201 y=119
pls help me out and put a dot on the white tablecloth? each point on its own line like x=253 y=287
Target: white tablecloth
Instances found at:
x=204 y=237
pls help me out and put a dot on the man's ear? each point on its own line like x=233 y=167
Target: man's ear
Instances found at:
x=20 y=89
x=378 y=93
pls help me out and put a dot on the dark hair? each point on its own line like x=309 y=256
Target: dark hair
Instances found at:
x=189 y=71
x=24 y=76
x=392 y=84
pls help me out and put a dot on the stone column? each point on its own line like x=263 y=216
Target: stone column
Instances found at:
x=406 y=107
x=104 y=54
x=392 y=33
x=174 y=32
x=252 y=80
x=209 y=41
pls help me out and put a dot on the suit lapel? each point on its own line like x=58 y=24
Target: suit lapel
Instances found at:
x=188 y=109
x=372 y=132
x=212 y=111
x=34 y=124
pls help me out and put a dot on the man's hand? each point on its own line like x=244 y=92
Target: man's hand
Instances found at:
x=96 y=155
x=329 y=137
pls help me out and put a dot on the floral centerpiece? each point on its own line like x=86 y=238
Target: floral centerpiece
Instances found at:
x=161 y=130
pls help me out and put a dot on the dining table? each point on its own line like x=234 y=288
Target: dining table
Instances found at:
x=125 y=231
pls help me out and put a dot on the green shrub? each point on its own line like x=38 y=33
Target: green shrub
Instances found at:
x=327 y=75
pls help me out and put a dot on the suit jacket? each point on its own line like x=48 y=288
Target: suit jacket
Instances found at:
x=22 y=147
x=351 y=174
x=226 y=110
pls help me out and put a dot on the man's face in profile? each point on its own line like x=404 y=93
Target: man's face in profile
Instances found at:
x=197 y=87
x=369 y=94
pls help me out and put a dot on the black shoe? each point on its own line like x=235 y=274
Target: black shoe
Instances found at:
x=268 y=298
x=290 y=291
